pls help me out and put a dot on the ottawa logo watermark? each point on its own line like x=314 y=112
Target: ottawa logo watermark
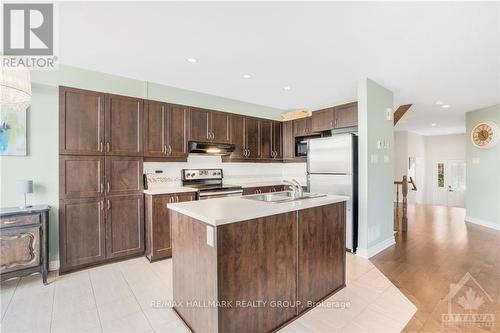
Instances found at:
x=467 y=305
x=29 y=35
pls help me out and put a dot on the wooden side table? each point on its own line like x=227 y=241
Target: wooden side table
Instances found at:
x=24 y=241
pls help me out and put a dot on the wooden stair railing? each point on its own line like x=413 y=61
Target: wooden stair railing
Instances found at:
x=400 y=112
x=404 y=191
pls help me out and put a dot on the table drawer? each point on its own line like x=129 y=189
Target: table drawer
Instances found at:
x=19 y=248
x=14 y=221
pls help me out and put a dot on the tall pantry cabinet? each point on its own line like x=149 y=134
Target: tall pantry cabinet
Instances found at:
x=100 y=177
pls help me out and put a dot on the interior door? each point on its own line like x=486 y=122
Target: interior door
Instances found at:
x=449 y=183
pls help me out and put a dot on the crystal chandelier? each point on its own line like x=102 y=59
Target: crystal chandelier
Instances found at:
x=15 y=88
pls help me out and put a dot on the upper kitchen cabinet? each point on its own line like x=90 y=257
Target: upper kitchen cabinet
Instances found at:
x=245 y=134
x=302 y=127
x=165 y=130
x=271 y=140
x=237 y=137
x=322 y=120
x=124 y=125
x=206 y=125
x=81 y=122
x=252 y=138
x=346 y=115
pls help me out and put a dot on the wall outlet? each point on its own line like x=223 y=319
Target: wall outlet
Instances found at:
x=210 y=236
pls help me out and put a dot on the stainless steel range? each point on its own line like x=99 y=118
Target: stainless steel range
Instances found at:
x=209 y=183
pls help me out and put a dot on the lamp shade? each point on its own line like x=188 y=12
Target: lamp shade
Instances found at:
x=25 y=186
x=15 y=88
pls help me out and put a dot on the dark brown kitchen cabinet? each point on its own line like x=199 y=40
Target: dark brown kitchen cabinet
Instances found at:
x=301 y=126
x=289 y=144
x=124 y=225
x=157 y=223
x=165 y=131
x=82 y=234
x=346 y=115
x=81 y=176
x=277 y=140
x=237 y=137
x=263 y=189
x=266 y=139
x=322 y=120
x=124 y=125
x=123 y=175
x=207 y=125
x=252 y=138
x=81 y=122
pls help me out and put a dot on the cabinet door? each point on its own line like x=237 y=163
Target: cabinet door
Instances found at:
x=346 y=115
x=199 y=125
x=124 y=225
x=322 y=120
x=81 y=232
x=124 y=125
x=81 y=176
x=154 y=129
x=250 y=190
x=177 y=125
x=220 y=126
x=182 y=197
x=278 y=139
x=300 y=127
x=288 y=141
x=159 y=233
x=81 y=122
x=123 y=175
x=237 y=138
x=266 y=139
x=321 y=243
x=252 y=137
x=20 y=248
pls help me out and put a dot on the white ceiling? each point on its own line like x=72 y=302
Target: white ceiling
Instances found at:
x=422 y=51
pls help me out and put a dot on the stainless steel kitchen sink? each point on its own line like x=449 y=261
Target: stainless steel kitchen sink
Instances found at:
x=278 y=197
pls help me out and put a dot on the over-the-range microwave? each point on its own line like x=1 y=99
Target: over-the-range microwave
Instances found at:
x=301 y=148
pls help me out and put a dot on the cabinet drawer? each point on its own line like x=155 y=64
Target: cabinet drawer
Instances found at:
x=20 y=248
x=13 y=221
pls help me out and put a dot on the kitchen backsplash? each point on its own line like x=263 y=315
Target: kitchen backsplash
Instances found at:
x=233 y=172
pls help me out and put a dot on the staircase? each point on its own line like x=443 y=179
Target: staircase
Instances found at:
x=403 y=212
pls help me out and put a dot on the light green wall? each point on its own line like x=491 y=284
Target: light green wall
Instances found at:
x=375 y=179
x=482 y=199
x=41 y=164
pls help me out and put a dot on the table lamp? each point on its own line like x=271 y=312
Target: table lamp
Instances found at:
x=25 y=187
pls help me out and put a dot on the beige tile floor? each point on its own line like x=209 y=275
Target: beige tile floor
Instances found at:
x=118 y=298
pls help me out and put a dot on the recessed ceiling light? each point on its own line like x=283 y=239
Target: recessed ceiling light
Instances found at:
x=445 y=106
x=247 y=76
x=286 y=88
x=439 y=102
x=433 y=124
x=192 y=60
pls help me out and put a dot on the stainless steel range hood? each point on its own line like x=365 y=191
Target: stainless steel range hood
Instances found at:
x=208 y=148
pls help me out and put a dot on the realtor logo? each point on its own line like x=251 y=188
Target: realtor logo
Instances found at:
x=466 y=299
x=28 y=29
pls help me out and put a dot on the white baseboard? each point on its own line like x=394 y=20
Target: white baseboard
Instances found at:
x=483 y=223
x=53 y=265
x=375 y=249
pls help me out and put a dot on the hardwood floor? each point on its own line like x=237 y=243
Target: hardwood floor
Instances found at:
x=438 y=249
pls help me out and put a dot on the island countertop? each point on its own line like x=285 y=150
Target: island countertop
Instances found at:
x=226 y=210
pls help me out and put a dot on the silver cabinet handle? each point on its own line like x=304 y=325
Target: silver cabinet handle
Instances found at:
x=249 y=152
x=108 y=204
x=107 y=187
x=169 y=149
x=107 y=147
x=101 y=189
x=101 y=204
x=101 y=148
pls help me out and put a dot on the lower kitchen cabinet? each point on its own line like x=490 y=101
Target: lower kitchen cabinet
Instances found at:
x=157 y=215
x=82 y=232
x=124 y=225
x=95 y=230
x=264 y=189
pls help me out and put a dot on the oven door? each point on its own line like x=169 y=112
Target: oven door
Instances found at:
x=203 y=195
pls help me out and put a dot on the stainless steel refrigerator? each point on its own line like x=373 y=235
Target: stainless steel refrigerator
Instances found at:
x=332 y=168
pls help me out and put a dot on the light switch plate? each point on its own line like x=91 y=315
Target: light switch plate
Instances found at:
x=210 y=236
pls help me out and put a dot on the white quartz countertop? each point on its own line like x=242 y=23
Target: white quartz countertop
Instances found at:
x=170 y=190
x=226 y=210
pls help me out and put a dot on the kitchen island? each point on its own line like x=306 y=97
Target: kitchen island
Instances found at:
x=242 y=265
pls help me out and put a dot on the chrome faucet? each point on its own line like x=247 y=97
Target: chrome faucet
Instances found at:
x=295 y=187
